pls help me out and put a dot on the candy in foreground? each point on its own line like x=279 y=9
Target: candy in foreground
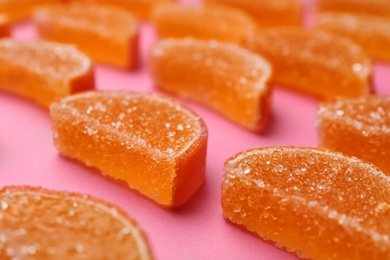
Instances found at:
x=209 y=22
x=370 y=32
x=314 y=62
x=358 y=127
x=107 y=34
x=43 y=72
x=373 y=7
x=5 y=27
x=318 y=204
x=37 y=223
x=221 y=76
x=153 y=143
x=269 y=13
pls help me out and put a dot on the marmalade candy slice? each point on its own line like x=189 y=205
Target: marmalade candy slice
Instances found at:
x=142 y=9
x=318 y=204
x=42 y=71
x=18 y=10
x=106 y=33
x=370 y=32
x=206 y=22
x=358 y=127
x=221 y=76
x=5 y=26
x=153 y=143
x=269 y=13
x=315 y=62
x=373 y=7
x=42 y=224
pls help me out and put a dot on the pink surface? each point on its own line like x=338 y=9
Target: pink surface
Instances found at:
x=195 y=231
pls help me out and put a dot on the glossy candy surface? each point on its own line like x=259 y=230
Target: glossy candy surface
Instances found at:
x=42 y=71
x=43 y=224
x=154 y=144
x=221 y=76
x=314 y=62
x=358 y=127
x=106 y=33
x=318 y=204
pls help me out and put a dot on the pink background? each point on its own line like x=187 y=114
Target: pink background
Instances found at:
x=196 y=230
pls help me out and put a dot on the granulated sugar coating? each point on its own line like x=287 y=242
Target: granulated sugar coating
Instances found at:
x=374 y=7
x=318 y=204
x=41 y=224
x=209 y=22
x=106 y=33
x=370 y=32
x=221 y=76
x=358 y=127
x=43 y=72
x=269 y=13
x=153 y=143
x=5 y=26
x=315 y=62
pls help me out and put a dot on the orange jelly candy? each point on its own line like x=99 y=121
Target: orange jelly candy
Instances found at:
x=358 y=127
x=42 y=224
x=5 y=27
x=140 y=8
x=374 y=7
x=105 y=33
x=318 y=204
x=203 y=22
x=153 y=143
x=18 y=10
x=315 y=62
x=43 y=71
x=222 y=76
x=269 y=13
x=370 y=32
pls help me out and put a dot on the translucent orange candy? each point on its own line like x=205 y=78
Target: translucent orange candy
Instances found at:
x=374 y=7
x=221 y=76
x=370 y=32
x=5 y=27
x=140 y=8
x=105 y=33
x=269 y=13
x=153 y=143
x=41 y=224
x=315 y=62
x=203 y=22
x=318 y=204
x=358 y=127
x=43 y=72
x=18 y=10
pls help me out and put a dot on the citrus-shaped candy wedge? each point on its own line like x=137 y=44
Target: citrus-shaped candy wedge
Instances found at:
x=314 y=62
x=42 y=224
x=370 y=32
x=153 y=143
x=358 y=127
x=206 y=22
x=318 y=204
x=269 y=13
x=5 y=27
x=18 y=10
x=221 y=76
x=106 y=33
x=140 y=8
x=43 y=72
x=374 y=7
